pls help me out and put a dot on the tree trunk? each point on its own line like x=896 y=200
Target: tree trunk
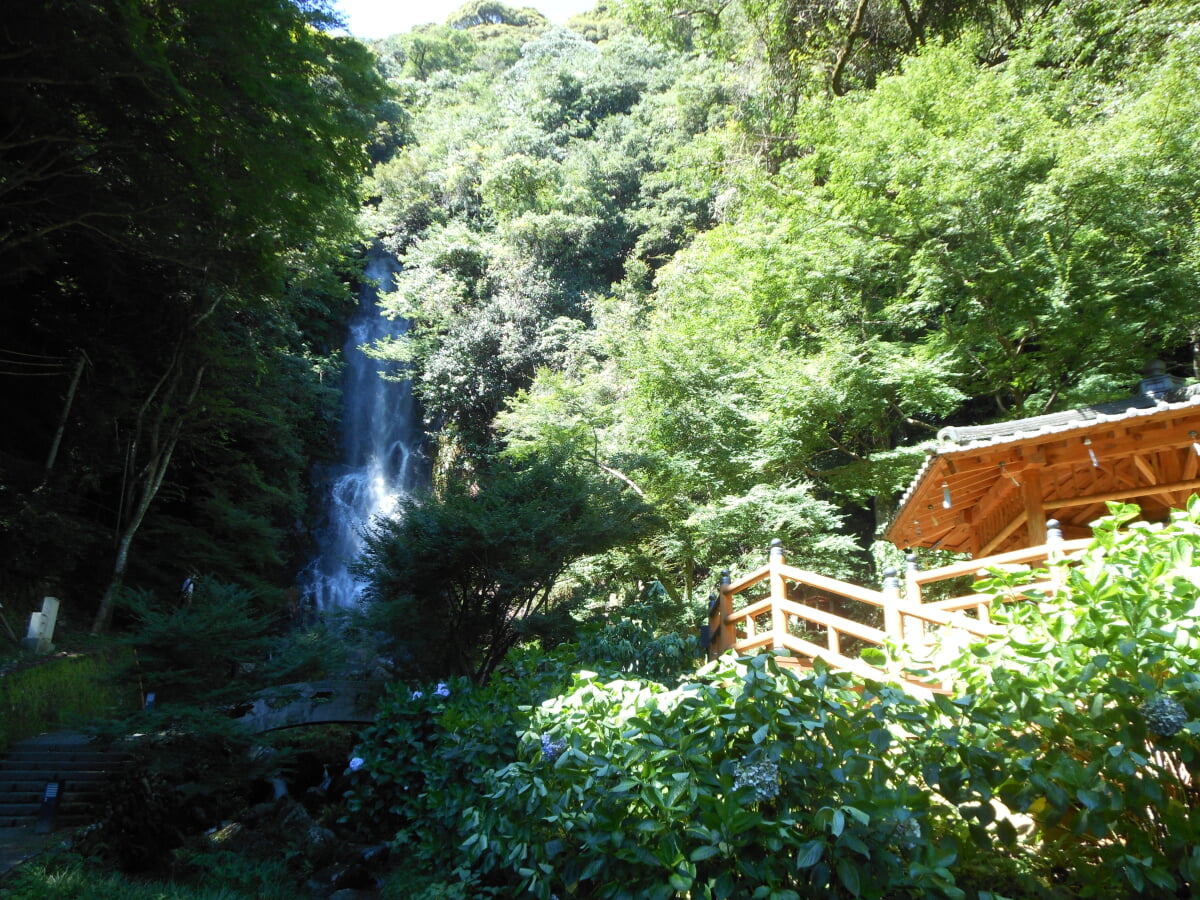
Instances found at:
x=147 y=482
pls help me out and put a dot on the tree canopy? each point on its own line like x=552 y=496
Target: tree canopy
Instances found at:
x=177 y=184
x=736 y=260
x=749 y=256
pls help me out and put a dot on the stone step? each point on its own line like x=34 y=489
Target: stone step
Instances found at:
x=59 y=773
x=26 y=770
x=40 y=756
x=79 y=766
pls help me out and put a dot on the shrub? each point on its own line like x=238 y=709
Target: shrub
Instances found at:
x=1085 y=715
x=749 y=782
x=426 y=759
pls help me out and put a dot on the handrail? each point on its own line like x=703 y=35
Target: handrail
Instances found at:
x=1011 y=557
x=906 y=617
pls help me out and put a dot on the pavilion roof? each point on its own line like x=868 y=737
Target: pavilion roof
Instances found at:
x=989 y=488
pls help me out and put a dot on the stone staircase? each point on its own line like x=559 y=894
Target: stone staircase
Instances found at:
x=79 y=767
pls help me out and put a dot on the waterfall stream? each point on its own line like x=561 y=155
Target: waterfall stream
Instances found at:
x=382 y=444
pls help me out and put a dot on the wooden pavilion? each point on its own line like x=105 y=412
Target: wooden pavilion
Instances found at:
x=986 y=491
x=989 y=489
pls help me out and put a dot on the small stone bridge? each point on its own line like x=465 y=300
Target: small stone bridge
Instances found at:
x=313 y=703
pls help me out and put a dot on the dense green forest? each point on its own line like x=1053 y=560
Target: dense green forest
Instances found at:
x=744 y=259
x=679 y=279
x=178 y=185
x=737 y=260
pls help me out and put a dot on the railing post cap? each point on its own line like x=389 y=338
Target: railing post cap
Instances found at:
x=776 y=548
x=724 y=576
x=890 y=579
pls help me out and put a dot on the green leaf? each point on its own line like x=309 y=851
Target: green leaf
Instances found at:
x=849 y=877
x=809 y=854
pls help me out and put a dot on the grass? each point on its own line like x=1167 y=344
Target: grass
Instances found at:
x=67 y=878
x=60 y=692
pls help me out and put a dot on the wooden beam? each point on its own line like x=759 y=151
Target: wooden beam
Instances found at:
x=1001 y=536
x=1143 y=466
x=1001 y=490
x=1125 y=494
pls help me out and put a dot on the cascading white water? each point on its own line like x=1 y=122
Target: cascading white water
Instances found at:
x=382 y=447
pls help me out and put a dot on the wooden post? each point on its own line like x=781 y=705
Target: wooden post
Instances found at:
x=892 y=624
x=728 y=634
x=912 y=588
x=775 y=559
x=914 y=628
x=712 y=646
x=1054 y=559
x=1035 y=513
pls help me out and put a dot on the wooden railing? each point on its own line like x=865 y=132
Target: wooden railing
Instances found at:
x=792 y=625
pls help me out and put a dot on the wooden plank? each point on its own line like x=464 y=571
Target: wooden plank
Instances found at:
x=952 y=620
x=1024 y=555
x=1191 y=464
x=753 y=643
x=856 y=666
x=1002 y=535
x=1142 y=465
x=969 y=601
x=746 y=581
x=837 y=660
x=751 y=610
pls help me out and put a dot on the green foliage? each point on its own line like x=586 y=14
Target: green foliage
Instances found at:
x=180 y=180
x=746 y=782
x=71 y=878
x=1084 y=716
x=492 y=12
x=1061 y=766
x=646 y=637
x=425 y=760
x=522 y=197
x=197 y=652
x=472 y=562
x=64 y=691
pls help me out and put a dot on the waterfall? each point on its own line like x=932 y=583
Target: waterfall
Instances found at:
x=382 y=447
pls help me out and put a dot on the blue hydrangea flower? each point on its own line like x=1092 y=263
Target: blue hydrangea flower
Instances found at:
x=761 y=776
x=1164 y=716
x=356 y=763
x=552 y=749
x=442 y=690
x=416 y=695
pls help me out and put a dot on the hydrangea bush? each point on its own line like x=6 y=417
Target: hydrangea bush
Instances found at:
x=426 y=759
x=1085 y=715
x=748 y=781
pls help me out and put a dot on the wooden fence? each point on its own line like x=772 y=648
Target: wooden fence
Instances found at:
x=796 y=617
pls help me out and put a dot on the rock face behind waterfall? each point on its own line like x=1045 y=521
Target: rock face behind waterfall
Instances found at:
x=382 y=447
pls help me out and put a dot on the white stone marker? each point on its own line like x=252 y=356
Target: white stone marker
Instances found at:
x=41 y=627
